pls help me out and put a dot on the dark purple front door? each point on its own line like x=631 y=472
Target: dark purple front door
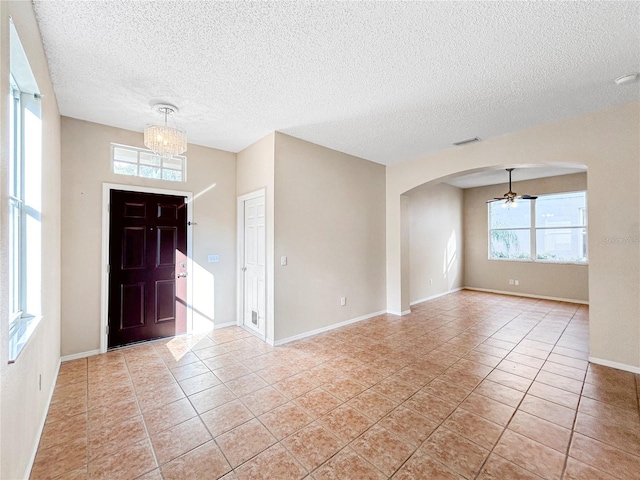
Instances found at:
x=147 y=265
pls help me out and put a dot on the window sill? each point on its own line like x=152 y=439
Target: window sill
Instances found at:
x=543 y=262
x=20 y=332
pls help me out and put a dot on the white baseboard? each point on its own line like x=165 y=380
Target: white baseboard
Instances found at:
x=76 y=356
x=254 y=333
x=527 y=295
x=42 y=422
x=217 y=326
x=327 y=328
x=399 y=314
x=616 y=365
x=437 y=295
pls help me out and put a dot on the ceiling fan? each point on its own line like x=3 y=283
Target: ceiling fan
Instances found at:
x=510 y=197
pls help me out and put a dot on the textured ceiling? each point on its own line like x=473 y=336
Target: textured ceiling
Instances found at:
x=385 y=81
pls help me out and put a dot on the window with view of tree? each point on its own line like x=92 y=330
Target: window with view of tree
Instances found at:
x=551 y=228
x=25 y=199
x=138 y=162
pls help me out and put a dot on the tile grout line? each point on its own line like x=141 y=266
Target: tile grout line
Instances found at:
x=575 y=420
x=214 y=438
x=524 y=396
x=370 y=388
x=198 y=415
x=368 y=341
x=375 y=422
x=441 y=424
x=144 y=423
x=347 y=444
x=573 y=426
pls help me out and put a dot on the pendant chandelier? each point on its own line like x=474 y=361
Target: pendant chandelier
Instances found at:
x=164 y=140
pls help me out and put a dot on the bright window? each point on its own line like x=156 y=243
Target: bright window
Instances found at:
x=510 y=230
x=25 y=201
x=138 y=162
x=552 y=228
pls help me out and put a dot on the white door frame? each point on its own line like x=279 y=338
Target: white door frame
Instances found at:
x=104 y=307
x=240 y=285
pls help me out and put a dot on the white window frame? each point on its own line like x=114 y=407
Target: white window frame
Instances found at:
x=16 y=212
x=25 y=202
x=530 y=229
x=533 y=230
x=138 y=151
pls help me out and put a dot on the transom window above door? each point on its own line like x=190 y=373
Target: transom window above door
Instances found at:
x=140 y=162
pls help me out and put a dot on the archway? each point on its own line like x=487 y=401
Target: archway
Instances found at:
x=448 y=243
x=607 y=142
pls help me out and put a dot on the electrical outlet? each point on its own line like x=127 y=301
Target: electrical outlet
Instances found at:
x=283 y=261
x=517 y=282
x=343 y=301
x=511 y=281
x=213 y=258
x=431 y=281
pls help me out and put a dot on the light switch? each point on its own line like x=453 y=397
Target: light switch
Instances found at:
x=213 y=258
x=283 y=261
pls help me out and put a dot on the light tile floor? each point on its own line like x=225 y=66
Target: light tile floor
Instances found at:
x=470 y=385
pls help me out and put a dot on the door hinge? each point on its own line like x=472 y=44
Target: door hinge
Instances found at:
x=108 y=268
x=107 y=329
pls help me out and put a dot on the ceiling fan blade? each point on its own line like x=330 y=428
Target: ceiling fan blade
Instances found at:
x=510 y=196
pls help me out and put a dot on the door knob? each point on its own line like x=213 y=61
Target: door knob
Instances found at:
x=244 y=269
x=182 y=274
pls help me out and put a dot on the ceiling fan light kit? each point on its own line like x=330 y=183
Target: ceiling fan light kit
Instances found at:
x=511 y=196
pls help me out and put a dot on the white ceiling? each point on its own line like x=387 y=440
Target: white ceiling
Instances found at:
x=500 y=176
x=385 y=81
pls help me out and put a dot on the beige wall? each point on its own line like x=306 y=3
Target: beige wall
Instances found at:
x=22 y=404
x=405 y=234
x=255 y=171
x=211 y=177
x=608 y=143
x=436 y=255
x=552 y=280
x=329 y=222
